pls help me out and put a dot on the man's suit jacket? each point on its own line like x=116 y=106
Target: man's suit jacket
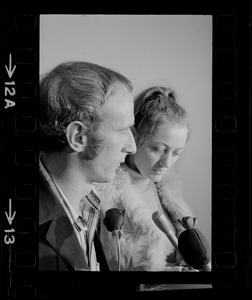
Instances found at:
x=59 y=248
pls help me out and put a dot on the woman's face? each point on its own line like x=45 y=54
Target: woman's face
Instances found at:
x=159 y=151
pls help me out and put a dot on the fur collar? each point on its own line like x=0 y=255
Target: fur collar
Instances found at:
x=169 y=190
x=146 y=247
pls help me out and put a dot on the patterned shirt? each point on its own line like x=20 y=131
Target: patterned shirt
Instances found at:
x=85 y=225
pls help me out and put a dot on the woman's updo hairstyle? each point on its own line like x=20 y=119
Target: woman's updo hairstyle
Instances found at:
x=154 y=106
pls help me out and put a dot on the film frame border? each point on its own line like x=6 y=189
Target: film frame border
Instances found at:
x=19 y=157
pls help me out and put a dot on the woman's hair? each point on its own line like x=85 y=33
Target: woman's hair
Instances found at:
x=154 y=106
x=74 y=91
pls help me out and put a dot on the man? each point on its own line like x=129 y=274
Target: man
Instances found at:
x=86 y=112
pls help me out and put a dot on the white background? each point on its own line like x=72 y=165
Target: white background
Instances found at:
x=169 y=50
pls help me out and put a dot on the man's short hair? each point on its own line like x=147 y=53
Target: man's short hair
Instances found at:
x=74 y=91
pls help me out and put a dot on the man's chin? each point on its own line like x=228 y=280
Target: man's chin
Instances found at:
x=109 y=177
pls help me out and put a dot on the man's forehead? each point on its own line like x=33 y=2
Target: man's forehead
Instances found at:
x=120 y=99
x=119 y=108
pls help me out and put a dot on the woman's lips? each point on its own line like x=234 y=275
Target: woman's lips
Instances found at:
x=159 y=171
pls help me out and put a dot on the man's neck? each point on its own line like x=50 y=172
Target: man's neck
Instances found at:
x=68 y=176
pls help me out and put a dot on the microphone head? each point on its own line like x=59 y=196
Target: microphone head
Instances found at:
x=194 y=248
x=156 y=215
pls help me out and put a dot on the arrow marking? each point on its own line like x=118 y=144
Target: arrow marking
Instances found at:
x=9 y=216
x=9 y=70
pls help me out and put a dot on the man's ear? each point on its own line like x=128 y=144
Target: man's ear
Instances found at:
x=75 y=136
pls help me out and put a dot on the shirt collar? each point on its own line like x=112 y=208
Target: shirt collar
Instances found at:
x=91 y=200
x=75 y=218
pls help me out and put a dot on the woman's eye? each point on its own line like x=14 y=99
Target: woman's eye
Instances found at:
x=176 y=154
x=157 y=149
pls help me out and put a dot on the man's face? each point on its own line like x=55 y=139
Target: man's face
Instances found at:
x=118 y=141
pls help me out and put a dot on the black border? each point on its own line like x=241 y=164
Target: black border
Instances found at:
x=231 y=130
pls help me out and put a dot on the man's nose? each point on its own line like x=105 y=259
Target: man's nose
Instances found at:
x=131 y=144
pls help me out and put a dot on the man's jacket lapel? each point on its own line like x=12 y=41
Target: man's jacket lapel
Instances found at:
x=60 y=233
x=63 y=239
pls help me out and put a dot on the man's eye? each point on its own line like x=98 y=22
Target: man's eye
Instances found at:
x=125 y=131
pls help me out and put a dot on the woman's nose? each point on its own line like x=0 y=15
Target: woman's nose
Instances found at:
x=166 y=160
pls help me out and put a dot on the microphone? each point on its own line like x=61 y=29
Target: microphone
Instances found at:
x=195 y=249
x=191 y=244
x=163 y=224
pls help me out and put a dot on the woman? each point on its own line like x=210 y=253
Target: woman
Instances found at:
x=146 y=183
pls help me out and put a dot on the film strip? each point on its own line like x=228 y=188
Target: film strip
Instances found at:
x=224 y=154
x=19 y=114
x=231 y=227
